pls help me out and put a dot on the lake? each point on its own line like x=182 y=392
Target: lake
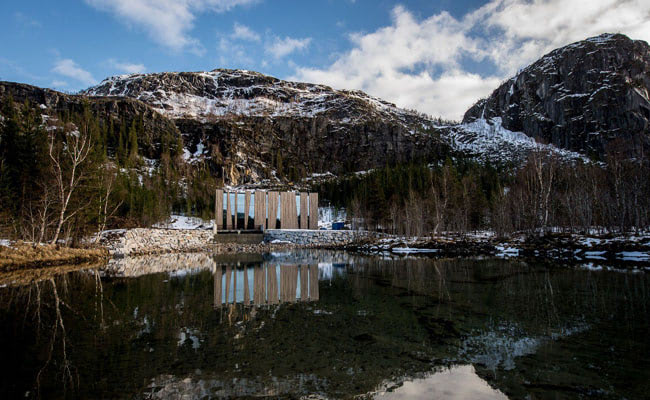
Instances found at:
x=325 y=325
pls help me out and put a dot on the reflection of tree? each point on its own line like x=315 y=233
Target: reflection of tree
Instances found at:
x=44 y=305
x=66 y=367
x=99 y=292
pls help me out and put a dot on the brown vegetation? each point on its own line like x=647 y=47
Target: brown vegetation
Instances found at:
x=27 y=276
x=27 y=255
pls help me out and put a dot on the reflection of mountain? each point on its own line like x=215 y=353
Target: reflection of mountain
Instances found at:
x=268 y=284
x=158 y=335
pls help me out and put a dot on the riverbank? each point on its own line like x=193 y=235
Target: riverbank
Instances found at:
x=155 y=241
x=22 y=255
x=152 y=241
x=592 y=251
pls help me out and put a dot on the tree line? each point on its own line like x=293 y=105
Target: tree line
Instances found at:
x=545 y=194
x=73 y=173
x=66 y=176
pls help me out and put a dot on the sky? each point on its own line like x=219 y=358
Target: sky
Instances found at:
x=437 y=57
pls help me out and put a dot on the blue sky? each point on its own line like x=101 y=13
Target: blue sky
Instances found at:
x=435 y=56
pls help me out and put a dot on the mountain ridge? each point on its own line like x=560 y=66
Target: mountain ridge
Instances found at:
x=580 y=97
x=249 y=128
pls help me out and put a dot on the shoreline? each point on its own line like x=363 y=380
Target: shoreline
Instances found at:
x=25 y=256
x=620 y=252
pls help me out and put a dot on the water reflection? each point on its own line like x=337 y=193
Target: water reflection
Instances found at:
x=330 y=324
x=270 y=284
x=445 y=385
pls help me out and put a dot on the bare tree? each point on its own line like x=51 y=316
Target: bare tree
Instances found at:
x=545 y=169
x=106 y=210
x=75 y=150
x=440 y=198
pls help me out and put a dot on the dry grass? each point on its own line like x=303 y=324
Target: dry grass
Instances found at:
x=27 y=255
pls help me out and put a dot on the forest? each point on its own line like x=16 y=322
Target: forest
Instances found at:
x=69 y=176
x=544 y=195
x=65 y=177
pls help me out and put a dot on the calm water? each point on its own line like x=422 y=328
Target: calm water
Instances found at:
x=328 y=324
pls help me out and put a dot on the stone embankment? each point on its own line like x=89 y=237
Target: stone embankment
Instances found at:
x=141 y=241
x=146 y=241
x=317 y=238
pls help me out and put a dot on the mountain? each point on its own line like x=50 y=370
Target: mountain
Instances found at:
x=118 y=110
x=580 y=97
x=244 y=127
x=255 y=127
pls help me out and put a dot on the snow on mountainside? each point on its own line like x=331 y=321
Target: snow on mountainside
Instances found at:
x=219 y=95
x=580 y=97
x=223 y=92
x=248 y=127
x=490 y=140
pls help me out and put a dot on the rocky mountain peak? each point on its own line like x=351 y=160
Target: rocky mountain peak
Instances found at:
x=579 y=97
x=223 y=93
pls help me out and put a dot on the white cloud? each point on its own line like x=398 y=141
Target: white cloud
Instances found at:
x=59 y=84
x=281 y=47
x=232 y=54
x=422 y=64
x=242 y=32
x=168 y=22
x=126 y=67
x=71 y=69
x=528 y=30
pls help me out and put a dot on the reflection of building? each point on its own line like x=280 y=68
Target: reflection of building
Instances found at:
x=265 y=284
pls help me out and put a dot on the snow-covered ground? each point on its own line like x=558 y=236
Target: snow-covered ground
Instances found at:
x=184 y=222
x=621 y=253
x=634 y=255
x=507 y=251
x=327 y=215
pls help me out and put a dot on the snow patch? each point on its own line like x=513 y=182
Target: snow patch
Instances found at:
x=491 y=140
x=633 y=256
x=184 y=222
x=407 y=250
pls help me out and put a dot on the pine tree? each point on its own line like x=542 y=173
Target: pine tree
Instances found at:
x=133 y=142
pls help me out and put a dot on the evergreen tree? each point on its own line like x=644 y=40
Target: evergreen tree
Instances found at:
x=133 y=142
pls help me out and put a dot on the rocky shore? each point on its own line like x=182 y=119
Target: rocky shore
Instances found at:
x=149 y=241
x=592 y=251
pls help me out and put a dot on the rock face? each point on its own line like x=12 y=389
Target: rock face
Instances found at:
x=243 y=127
x=117 y=110
x=579 y=97
x=250 y=127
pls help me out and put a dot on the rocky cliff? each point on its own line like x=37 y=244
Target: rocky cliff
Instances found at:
x=580 y=97
x=251 y=127
x=247 y=128
x=115 y=109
